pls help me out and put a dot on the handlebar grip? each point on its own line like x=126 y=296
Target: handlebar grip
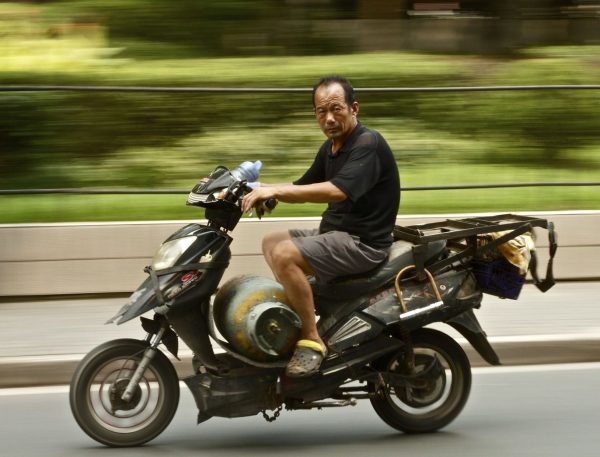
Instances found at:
x=270 y=203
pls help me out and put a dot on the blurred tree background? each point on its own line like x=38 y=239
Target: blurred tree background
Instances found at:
x=62 y=139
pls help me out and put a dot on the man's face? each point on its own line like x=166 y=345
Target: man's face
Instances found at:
x=335 y=117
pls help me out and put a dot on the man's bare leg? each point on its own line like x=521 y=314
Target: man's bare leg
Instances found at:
x=268 y=244
x=290 y=269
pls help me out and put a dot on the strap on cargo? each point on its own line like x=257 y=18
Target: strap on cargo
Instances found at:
x=549 y=281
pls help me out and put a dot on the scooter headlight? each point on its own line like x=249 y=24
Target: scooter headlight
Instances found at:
x=169 y=252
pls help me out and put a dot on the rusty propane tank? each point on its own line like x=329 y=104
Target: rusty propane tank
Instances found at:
x=252 y=314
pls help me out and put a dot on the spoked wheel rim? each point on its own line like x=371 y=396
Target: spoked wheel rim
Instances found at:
x=106 y=386
x=430 y=396
x=434 y=380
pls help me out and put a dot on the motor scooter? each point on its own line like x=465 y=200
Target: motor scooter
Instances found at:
x=125 y=392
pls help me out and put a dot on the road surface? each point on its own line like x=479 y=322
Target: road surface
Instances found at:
x=543 y=410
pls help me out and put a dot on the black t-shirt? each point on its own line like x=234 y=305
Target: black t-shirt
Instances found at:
x=366 y=171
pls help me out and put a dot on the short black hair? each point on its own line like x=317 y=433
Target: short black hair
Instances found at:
x=328 y=80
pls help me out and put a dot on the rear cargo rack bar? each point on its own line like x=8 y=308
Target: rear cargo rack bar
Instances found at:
x=464 y=228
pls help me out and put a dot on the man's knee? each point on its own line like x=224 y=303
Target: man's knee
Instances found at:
x=282 y=254
x=270 y=240
x=285 y=256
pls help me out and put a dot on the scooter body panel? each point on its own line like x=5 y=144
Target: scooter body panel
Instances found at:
x=183 y=288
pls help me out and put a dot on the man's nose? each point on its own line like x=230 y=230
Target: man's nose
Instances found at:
x=330 y=118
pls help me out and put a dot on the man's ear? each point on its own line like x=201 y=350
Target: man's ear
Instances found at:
x=354 y=108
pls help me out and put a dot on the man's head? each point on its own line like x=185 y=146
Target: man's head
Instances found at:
x=335 y=108
x=328 y=80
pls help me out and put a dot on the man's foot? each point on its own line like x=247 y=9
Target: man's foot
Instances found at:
x=306 y=360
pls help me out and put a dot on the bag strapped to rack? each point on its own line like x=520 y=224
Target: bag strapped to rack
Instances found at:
x=154 y=274
x=549 y=281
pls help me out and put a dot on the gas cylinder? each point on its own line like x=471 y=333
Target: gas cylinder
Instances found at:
x=252 y=314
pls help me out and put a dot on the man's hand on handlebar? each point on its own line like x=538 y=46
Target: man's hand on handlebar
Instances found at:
x=256 y=197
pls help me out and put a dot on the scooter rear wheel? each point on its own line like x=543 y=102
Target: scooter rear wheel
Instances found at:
x=101 y=378
x=441 y=388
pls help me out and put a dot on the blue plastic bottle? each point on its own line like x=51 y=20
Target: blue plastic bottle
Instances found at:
x=247 y=170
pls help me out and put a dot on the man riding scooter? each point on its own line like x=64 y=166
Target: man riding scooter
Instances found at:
x=355 y=173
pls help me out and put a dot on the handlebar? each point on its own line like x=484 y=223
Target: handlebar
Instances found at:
x=269 y=204
x=265 y=206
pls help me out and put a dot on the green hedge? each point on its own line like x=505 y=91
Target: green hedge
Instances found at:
x=76 y=139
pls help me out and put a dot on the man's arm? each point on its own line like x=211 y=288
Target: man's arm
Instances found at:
x=322 y=192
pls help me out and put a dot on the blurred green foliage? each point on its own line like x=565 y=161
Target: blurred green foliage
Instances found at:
x=93 y=139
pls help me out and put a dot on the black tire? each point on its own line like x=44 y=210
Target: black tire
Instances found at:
x=107 y=419
x=427 y=409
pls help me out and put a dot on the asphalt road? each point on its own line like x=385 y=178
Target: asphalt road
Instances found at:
x=544 y=410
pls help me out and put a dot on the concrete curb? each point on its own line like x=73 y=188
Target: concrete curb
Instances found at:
x=58 y=370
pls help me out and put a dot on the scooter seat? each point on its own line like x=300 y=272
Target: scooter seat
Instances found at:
x=400 y=256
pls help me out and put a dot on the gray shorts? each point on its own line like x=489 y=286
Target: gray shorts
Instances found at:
x=335 y=254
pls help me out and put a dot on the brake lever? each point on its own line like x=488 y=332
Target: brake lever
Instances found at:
x=245 y=188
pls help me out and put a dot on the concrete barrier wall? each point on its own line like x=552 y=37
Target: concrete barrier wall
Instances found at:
x=91 y=258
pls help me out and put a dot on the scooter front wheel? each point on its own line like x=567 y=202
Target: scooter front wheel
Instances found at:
x=99 y=383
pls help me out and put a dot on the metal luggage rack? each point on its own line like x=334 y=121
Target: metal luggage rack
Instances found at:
x=465 y=228
x=455 y=230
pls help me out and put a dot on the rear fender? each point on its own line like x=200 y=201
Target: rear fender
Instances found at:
x=467 y=324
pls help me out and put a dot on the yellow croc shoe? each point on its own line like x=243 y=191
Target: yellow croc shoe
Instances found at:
x=306 y=359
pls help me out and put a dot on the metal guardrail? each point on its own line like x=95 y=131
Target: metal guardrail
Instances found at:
x=283 y=90
x=79 y=191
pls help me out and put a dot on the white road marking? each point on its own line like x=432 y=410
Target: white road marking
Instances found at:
x=47 y=390
x=537 y=368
